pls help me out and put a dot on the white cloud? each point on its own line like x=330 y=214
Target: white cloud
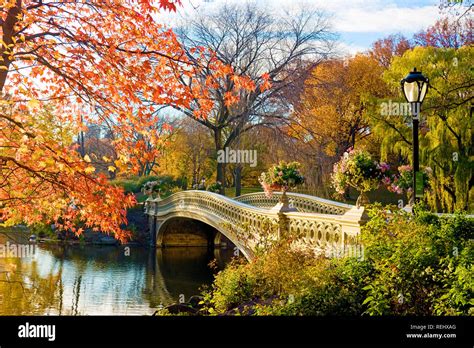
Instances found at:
x=347 y=16
x=349 y=49
x=387 y=19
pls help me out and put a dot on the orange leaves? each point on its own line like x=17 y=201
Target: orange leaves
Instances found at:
x=223 y=70
x=48 y=183
x=88 y=62
x=214 y=83
x=266 y=84
x=97 y=62
x=230 y=98
x=169 y=5
x=243 y=82
x=332 y=107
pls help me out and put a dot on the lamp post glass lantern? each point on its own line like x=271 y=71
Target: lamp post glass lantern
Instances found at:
x=414 y=88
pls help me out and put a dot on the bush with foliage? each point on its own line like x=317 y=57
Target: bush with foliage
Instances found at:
x=215 y=187
x=136 y=184
x=43 y=230
x=423 y=265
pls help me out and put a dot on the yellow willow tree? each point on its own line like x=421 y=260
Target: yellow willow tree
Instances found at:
x=68 y=56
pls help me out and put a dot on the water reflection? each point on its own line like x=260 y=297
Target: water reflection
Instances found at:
x=95 y=280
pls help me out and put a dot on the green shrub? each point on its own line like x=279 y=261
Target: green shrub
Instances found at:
x=412 y=265
x=422 y=264
x=283 y=281
x=42 y=230
x=215 y=187
x=134 y=184
x=129 y=184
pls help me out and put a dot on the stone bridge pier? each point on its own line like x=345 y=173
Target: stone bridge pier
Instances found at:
x=182 y=231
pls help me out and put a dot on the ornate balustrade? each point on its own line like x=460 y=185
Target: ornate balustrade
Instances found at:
x=304 y=203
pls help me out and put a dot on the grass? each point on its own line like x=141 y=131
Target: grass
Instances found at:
x=230 y=191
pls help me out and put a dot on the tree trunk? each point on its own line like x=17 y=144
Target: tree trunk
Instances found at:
x=195 y=179
x=221 y=176
x=8 y=28
x=82 y=148
x=220 y=166
x=238 y=181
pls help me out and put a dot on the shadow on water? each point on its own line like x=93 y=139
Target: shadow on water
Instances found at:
x=101 y=280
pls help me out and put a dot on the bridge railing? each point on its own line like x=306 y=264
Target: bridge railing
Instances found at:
x=212 y=205
x=339 y=224
x=304 y=203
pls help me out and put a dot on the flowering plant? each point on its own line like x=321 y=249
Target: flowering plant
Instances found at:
x=359 y=170
x=281 y=177
x=403 y=181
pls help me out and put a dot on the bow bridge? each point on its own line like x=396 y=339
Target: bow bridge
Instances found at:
x=206 y=218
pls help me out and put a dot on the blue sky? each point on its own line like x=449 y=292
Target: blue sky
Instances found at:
x=358 y=22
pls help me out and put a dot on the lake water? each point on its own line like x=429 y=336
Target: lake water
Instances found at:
x=99 y=280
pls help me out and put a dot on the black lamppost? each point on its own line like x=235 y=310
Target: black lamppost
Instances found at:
x=414 y=87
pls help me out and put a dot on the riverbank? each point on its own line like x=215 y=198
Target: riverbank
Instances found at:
x=46 y=233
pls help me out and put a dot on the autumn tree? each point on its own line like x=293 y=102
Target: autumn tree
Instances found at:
x=265 y=50
x=188 y=156
x=448 y=33
x=69 y=56
x=101 y=152
x=334 y=106
x=147 y=144
x=383 y=50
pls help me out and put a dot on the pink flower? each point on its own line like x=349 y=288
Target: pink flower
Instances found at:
x=384 y=167
x=386 y=180
x=280 y=173
x=405 y=168
x=395 y=188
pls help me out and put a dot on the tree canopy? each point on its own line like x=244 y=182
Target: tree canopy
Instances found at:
x=84 y=62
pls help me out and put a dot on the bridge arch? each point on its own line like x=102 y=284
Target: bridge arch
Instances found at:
x=209 y=232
